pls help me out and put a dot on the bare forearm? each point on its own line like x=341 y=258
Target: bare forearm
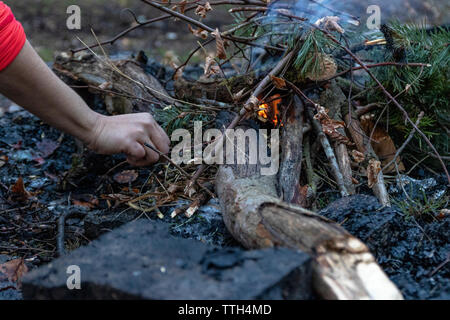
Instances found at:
x=31 y=84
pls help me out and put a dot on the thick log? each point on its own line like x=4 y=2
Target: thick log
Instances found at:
x=254 y=214
x=292 y=151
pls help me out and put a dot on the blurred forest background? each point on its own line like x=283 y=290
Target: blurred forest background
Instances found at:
x=45 y=22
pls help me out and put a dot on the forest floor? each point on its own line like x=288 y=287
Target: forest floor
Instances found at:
x=44 y=174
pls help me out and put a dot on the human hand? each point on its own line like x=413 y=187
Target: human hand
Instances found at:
x=127 y=134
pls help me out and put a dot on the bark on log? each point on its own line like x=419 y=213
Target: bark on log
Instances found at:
x=254 y=214
x=292 y=151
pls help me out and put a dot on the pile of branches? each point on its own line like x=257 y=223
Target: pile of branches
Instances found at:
x=312 y=64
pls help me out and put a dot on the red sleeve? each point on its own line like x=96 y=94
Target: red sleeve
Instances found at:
x=12 y=36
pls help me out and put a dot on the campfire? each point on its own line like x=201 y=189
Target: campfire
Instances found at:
x=344 y=124
x=270 y=111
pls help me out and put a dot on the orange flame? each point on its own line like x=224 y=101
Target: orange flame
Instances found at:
x=270 y=110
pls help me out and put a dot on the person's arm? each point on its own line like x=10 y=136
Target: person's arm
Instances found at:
x=30 y=83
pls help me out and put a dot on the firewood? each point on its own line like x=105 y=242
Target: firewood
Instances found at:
x=337 y=174
x=292 y=150
x=256 y=217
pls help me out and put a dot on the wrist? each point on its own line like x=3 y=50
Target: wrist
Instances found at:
x=92 y=128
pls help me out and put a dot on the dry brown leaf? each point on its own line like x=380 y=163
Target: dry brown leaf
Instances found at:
x=278 y=82
x=126 y=176
x=13 y=271
x=182 y=6
x=330 y=126
x=178 y=74
x=382 y=144
x=211 y=67
x=358 y=156
x=373 y=169
x=220 y=46
x=199 y=32
x=202 y=10
x=19 y=192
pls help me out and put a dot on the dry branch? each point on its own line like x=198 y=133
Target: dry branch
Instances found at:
x=257 y=218
x=364 y=146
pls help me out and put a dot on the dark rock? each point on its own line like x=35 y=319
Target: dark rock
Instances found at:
x=408 y=249
x=98 y=222
x=141 y=260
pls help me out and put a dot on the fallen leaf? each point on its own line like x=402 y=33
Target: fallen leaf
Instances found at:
x=278 y=82
x=13 y=271
x=19 y=192
x=126 y=176
x=373 y=170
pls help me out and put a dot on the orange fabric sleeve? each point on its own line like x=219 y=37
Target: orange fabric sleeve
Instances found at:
x=12 y=36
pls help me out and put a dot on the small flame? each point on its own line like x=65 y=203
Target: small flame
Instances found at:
x=270 y=110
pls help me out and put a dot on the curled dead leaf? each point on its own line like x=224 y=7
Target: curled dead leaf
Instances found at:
x=373 y=169
x=19 y=193
x=211 y=67
x=330 y=126
x=382 y=143
x=126 y=176
x=201 y=10
x=358 y=156
x=220 y=46
x=182 y=6
x=199 y=32
x=278 y=82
